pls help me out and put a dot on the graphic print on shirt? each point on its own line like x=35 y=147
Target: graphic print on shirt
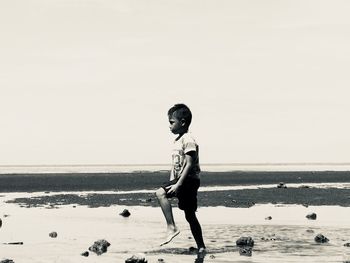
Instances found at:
x=178 y=159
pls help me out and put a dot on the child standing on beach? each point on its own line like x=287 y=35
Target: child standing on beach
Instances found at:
x=184 y=176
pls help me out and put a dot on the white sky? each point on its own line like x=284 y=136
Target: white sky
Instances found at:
x=90 y=82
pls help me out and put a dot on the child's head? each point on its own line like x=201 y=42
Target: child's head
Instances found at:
x=180 y=118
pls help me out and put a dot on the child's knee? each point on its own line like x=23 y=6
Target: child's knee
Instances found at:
x=160 y=193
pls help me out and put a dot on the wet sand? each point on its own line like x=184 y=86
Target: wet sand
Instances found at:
x=83 y=208
x=287 y=237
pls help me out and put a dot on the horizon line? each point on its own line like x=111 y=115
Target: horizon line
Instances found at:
x=159 y=164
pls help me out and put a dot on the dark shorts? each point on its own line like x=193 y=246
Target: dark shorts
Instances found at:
x=187 y=194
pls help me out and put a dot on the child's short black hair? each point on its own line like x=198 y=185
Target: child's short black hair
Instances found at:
x=181 y=111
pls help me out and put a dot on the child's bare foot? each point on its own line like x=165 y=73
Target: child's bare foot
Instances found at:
x=171 y=233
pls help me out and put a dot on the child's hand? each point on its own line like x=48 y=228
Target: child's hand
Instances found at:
x=173 y=188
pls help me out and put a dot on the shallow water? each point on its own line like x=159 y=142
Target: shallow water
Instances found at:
x=288 y=237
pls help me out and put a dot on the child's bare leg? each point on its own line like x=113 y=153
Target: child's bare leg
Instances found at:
x=172 y=230
x=195 y=229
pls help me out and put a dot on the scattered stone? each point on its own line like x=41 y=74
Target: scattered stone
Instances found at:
x=100 y=246
x=0 y=223
x=53 y=234
x=211 y=256
x=281 y=185
x=125 y=213
x=245 y=241
x=7 y=261
x=321 y=239
x=160 y=260
x=85 y=254
x=250 y=204
x=305 y=205
x=268 y=218
x=139 y=258
x=310 y=231
x=47 y=192
x=304 y=186
x=245 y=251
x=311 y=216
x=347 y=245
x=6 y=215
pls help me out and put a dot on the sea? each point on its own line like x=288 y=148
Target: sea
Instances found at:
x=125 y=168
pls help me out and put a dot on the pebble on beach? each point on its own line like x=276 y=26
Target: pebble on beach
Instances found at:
x=245 y=242
x=7 y=261
x=245 y=245
x=281 y=185
x=321 y=239
x=268 y=218
x=311 y=216
x=53 y=234
x=139 y=258
x=100 y=246
x=347 y=244
x=0 y=223
x=85 y=254
x=125 y=213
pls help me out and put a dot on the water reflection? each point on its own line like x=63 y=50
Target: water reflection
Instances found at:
x=200 y=258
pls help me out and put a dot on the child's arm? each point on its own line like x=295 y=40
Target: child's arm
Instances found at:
x=189 y=157
x=172 y=177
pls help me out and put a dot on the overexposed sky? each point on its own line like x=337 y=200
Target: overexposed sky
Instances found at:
x=90 y=81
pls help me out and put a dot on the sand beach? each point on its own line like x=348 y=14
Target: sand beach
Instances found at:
x=83 y=208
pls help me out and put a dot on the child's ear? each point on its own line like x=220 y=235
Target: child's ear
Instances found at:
x=183 y=122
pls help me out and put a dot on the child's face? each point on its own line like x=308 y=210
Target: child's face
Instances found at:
x=176 y=126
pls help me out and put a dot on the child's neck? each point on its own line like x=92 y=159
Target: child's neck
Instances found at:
x=180 y=135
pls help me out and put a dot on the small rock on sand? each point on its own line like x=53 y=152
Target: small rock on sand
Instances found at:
x=281 y=185
x=139 y=258
x=268 y=218
x=321 y=239
x=0 y=222
x=85 y=254
x=53 y=234
x=100 y=246
x=245 y=242
x=347 y=245
x=311 y=216
x=125 y=213
x=7 y=261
